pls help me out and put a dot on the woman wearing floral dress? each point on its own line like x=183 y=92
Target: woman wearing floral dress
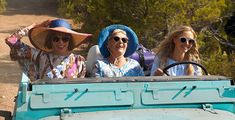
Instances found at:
x=51 y=56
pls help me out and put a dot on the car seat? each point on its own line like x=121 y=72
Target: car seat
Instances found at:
x=93 y=55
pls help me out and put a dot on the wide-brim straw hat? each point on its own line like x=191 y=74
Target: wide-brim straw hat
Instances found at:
x=38 y=35
x=105 y=34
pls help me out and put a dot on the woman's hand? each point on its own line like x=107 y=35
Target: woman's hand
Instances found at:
x=159 y=72
x=13 y=38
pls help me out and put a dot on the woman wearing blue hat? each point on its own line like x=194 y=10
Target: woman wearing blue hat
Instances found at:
x=116 y=43
x=51 y=56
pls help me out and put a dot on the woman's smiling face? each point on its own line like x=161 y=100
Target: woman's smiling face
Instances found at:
x=60 y=43
x=184 y=42
x=117 y=44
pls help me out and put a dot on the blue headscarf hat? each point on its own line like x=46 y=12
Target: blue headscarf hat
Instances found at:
x=107 y=32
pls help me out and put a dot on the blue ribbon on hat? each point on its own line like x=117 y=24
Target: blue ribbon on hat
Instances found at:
x=60 y=23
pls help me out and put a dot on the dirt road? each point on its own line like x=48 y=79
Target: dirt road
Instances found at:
x=19 y=13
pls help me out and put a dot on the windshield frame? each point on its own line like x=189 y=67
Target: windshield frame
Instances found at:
x=131 y=79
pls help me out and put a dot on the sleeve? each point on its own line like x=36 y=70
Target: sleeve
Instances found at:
x=18 y=50
x=96 y=71
x=138 y=70
x=155 y=65
x=141 y=72
x=25 y=55
x=197 y=71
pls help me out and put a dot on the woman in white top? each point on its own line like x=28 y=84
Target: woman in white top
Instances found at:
x=178 y=46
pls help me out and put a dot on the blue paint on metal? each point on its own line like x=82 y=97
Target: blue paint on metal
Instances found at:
x=47 y=99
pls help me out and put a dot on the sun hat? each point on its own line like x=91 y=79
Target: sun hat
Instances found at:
x=38 y=35
x=106 y=32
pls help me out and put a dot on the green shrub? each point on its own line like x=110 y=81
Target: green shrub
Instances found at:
x=3 y=5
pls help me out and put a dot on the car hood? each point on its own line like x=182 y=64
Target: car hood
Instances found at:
x=149 y=114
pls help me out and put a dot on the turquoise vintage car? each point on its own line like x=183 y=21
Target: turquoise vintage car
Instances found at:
x=127 y=98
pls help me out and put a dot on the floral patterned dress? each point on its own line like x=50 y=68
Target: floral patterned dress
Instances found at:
x=103 y=68
x=38 y=64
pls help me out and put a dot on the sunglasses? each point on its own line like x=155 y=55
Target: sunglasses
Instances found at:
x=124 y=40
x=189 y=40
x=63 y=38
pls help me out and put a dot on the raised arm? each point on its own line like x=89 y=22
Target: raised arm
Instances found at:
x=19 y=50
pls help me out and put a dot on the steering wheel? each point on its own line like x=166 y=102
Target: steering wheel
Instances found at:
x=185 y=62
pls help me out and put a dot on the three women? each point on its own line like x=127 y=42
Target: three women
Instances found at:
x=54 y=41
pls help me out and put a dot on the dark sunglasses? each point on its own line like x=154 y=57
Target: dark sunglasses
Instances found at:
x=63 y=38
x=189 y=40
x=124 y=40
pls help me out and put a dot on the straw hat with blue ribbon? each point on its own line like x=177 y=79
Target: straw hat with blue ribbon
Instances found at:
x=38 y=35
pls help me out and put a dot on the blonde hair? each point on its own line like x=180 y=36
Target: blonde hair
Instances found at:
x=167 y=46
x=118 y=31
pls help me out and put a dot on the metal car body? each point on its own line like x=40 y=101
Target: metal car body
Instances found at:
x=127 y=98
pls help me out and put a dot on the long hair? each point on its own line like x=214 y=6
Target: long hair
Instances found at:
x=167 y=46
